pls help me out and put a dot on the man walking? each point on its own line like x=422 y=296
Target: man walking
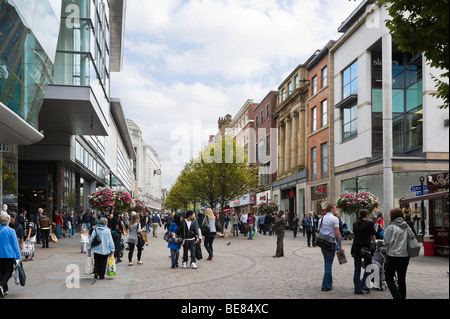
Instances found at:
x=156 y=221
x=329 y=225
x=188 y=230
x=310 y=224
x=280 y=224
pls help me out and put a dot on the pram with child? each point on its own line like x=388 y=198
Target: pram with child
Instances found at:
x=379 y=260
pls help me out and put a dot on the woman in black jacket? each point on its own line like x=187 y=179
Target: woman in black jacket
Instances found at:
x=364 y=231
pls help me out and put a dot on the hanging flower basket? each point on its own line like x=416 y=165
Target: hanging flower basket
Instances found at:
x=269 y=208
x=103 y=200
x=138 y=206
x=353 y=203
x=123 y=201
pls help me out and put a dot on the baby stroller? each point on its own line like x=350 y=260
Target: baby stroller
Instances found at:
x=121 y=249
x=379 y=260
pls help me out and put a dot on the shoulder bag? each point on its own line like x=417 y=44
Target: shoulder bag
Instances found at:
x=413 y=247
x=96 y=241
x=326 y=242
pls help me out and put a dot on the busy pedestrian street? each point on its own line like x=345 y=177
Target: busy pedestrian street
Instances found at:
x=240 y=269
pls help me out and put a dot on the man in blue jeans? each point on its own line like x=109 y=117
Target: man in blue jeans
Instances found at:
x=329 y=225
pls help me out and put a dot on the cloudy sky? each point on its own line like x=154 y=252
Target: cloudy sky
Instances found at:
x=189 y=62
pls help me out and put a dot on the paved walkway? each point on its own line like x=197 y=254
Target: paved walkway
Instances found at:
x=242 y=270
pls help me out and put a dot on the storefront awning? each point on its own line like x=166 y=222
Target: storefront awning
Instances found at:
x=423 y=197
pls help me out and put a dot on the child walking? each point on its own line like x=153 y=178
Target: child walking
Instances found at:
x=84 y=239
x=175 y=244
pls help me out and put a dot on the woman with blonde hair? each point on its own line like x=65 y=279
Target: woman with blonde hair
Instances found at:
x=209 y=232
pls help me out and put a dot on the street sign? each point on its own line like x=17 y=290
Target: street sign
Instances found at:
x=425 y=192
x=417 y=188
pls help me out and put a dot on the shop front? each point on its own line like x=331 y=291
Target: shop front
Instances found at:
x=243 y=204
x=438 y=185
x=436 y=194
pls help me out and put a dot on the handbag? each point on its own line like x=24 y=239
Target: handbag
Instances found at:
x=20 y=272
x=326 y=242
x=53 y=238
x=141 y=241
x=168 y=237
x=413 y=247
x=96 y=241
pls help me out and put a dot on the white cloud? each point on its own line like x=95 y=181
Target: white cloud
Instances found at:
x=188 y=60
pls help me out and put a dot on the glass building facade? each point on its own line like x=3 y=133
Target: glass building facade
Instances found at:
x=28 y=39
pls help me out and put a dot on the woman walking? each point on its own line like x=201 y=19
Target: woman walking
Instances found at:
x=210 y=222
x=364 y=232
x=396 y=239
x=134 y=228
x=9 y=253
x=115 y=225
x=235 y=221
x=102 y=251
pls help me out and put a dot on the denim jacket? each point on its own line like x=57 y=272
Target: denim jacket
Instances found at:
x=107 y=245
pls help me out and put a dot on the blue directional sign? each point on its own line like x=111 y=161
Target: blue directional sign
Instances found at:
x=425 y=192
x=417 y=188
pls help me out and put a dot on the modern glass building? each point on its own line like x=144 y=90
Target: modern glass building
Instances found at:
x=28 y=39
x=85 y=144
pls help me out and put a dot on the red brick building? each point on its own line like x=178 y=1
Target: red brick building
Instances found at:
x=319 y=127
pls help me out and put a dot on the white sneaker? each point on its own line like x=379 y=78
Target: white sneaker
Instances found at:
x=194 y=266
x=184 y=265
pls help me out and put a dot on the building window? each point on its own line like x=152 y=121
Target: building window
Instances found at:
x=296 y=82
x=262 y=116
x=407 y=103
x=350 y=80
x=324 y=151
x=290 y=88
x=349 y=122
x=268 y=110
x=314 y=119
x=324 y=112
x=314 y=163
x=256 y=121
x=314 y=85
x=283 y=95
x=268 y=144
x=324 y=76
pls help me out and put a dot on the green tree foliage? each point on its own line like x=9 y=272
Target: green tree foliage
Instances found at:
x=220 y=174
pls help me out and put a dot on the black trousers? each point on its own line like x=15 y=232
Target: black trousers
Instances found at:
x=131 y=250
x=6 y=271
x=100 y=264
x=308 y=237
x=399 y=266
x=45 y=233
x=189 y=246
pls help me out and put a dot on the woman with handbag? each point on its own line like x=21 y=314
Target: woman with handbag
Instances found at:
x=134 y=229
x=396 y=238
x=9 y=253
x=102 y=245
x=208 y=229
x=364 y=232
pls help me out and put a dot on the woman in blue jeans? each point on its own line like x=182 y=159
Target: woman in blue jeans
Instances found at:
x=364 y=231
x=329 y=225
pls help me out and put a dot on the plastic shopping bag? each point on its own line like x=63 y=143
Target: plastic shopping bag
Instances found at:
x=111 y=269
x=89 y=266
